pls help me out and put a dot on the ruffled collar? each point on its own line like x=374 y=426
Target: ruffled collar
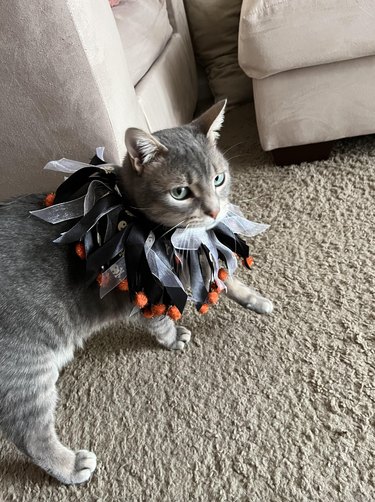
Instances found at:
x=161 y=268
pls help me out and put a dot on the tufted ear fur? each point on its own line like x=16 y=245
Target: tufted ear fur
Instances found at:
x=211 y=120
x=142 y=148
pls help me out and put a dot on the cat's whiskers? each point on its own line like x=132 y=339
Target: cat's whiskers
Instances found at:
x=239 y=155
x=233 y=146
x=252 y=201
x=170 y=229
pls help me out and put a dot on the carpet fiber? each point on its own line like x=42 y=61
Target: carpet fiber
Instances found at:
x=258 y=409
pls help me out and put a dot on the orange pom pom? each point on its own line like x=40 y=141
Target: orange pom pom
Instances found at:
x=80 y=250
x=147 y=313
x=102 y=280
x=223 y=274
x=213 y=297
x=123 y=285
x=203 y=309
x=141 y=299
x=174 y=313
x=159 y=309
x=49 y=199
x=249 y=261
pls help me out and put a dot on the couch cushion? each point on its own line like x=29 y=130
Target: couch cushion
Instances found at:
x=277 y=35
x=214 y=30
x=144 y=30
x=168 y=93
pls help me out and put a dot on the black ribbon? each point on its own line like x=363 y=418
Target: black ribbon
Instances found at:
x=105 y=255
x=196 y=278
x=231 y=241
x=104 y=206
x=79 y=180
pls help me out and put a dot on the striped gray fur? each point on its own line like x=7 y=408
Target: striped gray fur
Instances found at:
x=46 y=309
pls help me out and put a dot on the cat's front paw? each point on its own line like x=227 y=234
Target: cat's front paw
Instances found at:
x=171 y=336
x=183 y=336
x=85 y=465
x=259 y=304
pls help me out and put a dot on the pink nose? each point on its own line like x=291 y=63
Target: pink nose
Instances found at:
x=213 y=213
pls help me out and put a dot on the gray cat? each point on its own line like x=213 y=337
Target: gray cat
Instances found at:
x=177 y=177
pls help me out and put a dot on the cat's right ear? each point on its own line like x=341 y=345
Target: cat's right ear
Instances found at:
x=211 y=120
x=142 y=148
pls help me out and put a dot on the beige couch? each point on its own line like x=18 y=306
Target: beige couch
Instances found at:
x=75 y=74
x=313 y=68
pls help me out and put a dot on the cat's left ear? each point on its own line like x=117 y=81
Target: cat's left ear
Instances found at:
x=211 y=120
x=143 y=148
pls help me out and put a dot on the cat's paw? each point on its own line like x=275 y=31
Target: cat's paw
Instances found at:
x=259 y=304
x=169 y=335
x=183 y=336
x=84 y=466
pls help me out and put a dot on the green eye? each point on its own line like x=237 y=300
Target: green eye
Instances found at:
x=219 y=179
x=180 y=193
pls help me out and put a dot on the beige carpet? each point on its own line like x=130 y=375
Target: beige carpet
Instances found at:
x=266 y=409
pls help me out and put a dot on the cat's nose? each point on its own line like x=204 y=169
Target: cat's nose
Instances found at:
x=213 y=213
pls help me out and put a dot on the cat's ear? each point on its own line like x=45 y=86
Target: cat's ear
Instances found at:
x=142 y=148
x=210 y=121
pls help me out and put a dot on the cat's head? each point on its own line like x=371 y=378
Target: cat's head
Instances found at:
x=178 y=177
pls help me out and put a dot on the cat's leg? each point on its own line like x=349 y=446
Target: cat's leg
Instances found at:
x=27 y=418
x=247 y=297
x=167 y=333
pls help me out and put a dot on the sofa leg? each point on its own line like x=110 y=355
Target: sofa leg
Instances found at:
x=302 y=153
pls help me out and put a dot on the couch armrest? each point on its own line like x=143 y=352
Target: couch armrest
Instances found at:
x=277 y=36
x=65 y=89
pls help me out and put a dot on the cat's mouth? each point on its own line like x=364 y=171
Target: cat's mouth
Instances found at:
x=206 y=223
